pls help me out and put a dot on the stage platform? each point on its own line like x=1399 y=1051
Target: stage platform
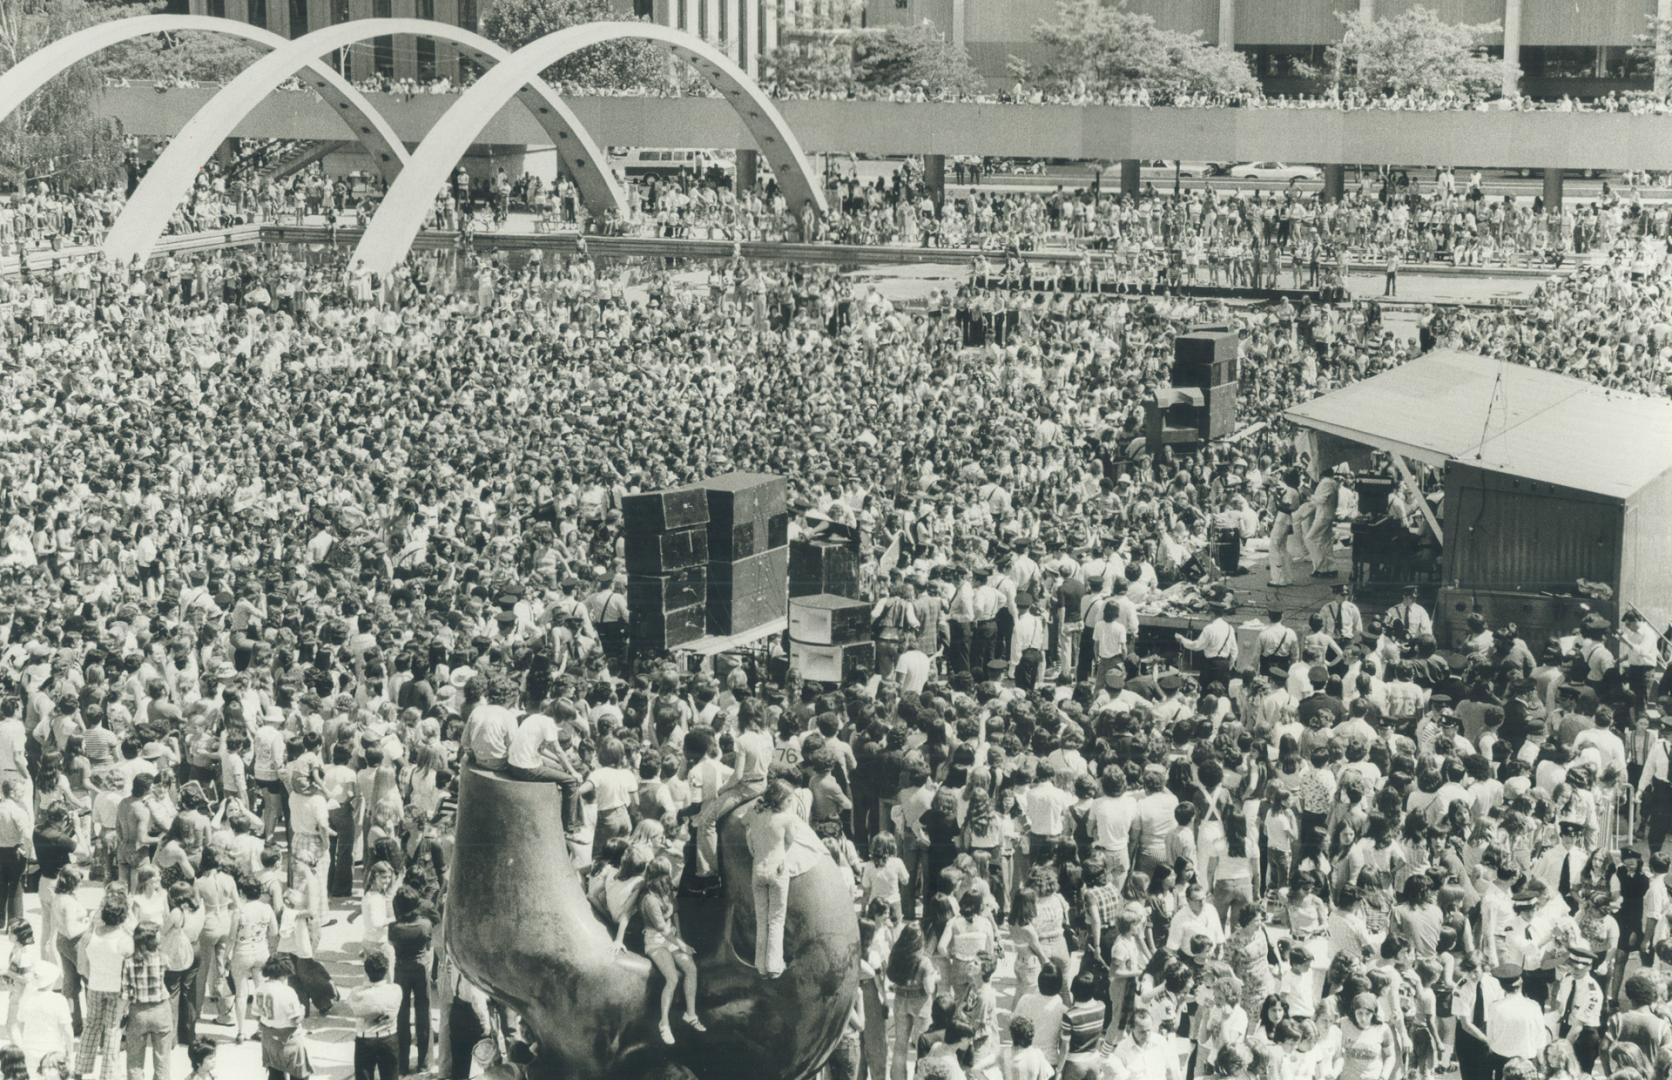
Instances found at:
x=714 y=644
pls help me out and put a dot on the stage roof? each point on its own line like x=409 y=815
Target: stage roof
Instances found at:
x=1454 y=406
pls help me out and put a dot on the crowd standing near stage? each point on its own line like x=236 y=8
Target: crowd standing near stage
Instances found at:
x=1289 y=237
x=286 y=546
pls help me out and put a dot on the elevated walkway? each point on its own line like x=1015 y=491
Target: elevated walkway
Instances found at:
x=1495 y=139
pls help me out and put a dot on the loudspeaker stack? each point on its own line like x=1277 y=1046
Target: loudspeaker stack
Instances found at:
x=1206 y=360
x=747 y=551
x=830 y=639
x=823 y=566
x=667 y=540
x=1201 y=405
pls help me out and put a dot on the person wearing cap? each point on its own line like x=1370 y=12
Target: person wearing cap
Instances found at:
x=1342 y=619
x=930 y=608
x=1562 y=868
x=1411 y=615
x=960 y=623
x=1515 y=1026
x=1640 y=654
x=1593 y=656
x=1654 y=784
x=1217 y=642
x=986 y=601
x=1277 y=647
x=607 y=610
x=1030 y=641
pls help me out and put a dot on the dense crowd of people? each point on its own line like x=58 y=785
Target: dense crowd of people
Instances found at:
x=1194 y=236
x=288 y=545
x=1343 y=99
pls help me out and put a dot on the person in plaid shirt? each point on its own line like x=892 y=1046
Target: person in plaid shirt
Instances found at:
x=150 y=1007
x=1101 y=902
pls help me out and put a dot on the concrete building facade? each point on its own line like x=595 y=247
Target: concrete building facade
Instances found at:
x=1560 y=46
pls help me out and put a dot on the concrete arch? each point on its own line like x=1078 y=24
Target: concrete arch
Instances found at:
x=147 y=213
x=34 y=71
x=396 y=223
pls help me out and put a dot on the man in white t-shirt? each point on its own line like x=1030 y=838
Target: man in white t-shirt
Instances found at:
x=1110 y=822
x=913 y=670
x=538 y=753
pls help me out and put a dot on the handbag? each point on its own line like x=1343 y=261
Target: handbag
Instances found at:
x=176 y=949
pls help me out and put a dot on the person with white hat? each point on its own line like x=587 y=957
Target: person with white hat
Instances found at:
x=43 y=1023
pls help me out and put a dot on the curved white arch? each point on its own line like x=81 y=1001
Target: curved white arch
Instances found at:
x=39 y=67
x=396 y=223
x=146 y=215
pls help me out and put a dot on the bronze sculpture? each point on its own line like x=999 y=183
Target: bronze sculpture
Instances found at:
x=519 y=925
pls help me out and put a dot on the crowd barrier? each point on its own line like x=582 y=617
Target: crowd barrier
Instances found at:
x=645 y=247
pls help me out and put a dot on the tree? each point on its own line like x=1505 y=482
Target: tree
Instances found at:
x=618 y=64
x=1104 y=49
x=195 y=55
x=810 y=65
x=1415 y=53
x=915 y=56
x=56 y=133
x=1654 y=46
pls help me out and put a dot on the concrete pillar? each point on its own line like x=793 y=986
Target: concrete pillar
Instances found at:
x=361 y=62
x=748 y=170
x=747 y=49
x=446 y=53
x=791 y=15
x=710 y=20
x=1552 y=189
x=406 y=46
x=958 y=23
x=1227 y=38
x=1335 y=182
x=1129 y=180
x=769 y=26
x=730 y=35
x=1512 y=47
x=934 y=176
x=1367 y=9
x=238 y=9
x=1663 y=28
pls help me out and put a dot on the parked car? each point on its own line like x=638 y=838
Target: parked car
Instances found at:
x=1275 y=170
x=1187 y=169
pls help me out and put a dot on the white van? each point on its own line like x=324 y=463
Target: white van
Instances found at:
x=649 y=162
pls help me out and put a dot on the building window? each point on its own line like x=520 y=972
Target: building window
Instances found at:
x=298 y=18
x=339 y=11
x=217 y=8
x=383 y=48
x=258 y=13
x=467 y=15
